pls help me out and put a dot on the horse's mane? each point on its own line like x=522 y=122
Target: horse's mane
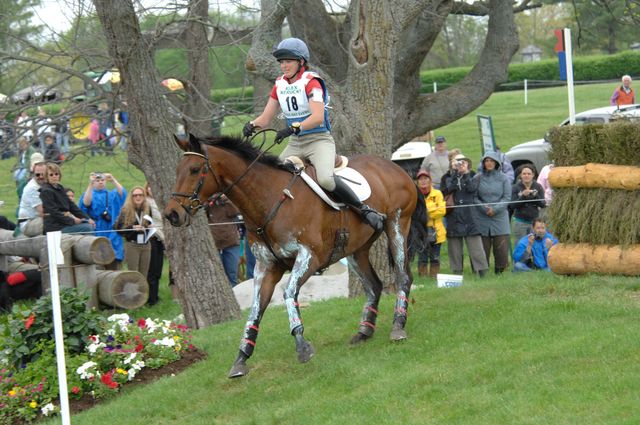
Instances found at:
x=244 y=148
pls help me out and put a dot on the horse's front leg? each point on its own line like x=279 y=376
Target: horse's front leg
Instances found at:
x=302 y=269
x=396 y=233
x=266 y=277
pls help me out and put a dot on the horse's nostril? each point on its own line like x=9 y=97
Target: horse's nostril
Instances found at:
x=173 y=218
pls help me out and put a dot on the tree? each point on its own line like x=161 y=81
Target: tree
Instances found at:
x=192 y=255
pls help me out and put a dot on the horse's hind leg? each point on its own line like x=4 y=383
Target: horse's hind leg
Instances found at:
x=265 y=280
x=373 y=288
x=397 y=231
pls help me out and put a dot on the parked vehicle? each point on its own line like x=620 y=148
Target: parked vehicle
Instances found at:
x=410 y=156
x=536 y=152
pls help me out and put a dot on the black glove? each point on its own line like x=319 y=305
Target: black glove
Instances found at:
x=248 y=128
x=283 y=134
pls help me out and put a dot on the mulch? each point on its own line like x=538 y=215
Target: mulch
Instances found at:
x=145 y=376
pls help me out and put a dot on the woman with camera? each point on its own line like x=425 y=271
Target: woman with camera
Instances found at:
x=103 y=206
x=59 y=212
x=135 y=219
x=527 y=197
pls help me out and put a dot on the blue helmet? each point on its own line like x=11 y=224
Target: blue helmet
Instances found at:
x=292 y=48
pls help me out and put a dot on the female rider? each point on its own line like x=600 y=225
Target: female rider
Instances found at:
x=302 y=97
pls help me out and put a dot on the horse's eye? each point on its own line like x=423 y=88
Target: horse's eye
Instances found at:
x=194 y=170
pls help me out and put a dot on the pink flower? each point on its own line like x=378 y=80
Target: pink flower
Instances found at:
x=75 y=390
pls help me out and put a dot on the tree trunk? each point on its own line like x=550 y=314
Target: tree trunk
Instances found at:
x=204 y=292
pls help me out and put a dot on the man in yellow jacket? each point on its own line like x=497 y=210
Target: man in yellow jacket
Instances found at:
x=429 y=259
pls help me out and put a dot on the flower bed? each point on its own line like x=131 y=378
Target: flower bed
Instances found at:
x=99 y=365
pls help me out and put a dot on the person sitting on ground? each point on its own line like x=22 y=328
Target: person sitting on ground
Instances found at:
x=623 y=95
x=135 y=218
x=532 y=250
x=60 y=214
x=302 y=97
x=30 y=210
x=527 y=197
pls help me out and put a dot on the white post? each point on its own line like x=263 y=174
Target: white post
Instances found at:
x=569 y=60
x=525 y=92
x=55 y=258
x=435 y=87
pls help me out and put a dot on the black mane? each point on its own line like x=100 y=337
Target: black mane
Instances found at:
x=243 y=148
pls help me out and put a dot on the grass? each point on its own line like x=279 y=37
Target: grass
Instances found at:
x=524 y=349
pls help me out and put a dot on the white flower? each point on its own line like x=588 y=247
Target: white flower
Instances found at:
x=121 y=320
x=92 y=348
x=130 y=358
x=48 y=408
x=82 y=370
x=135 y=367
x=167 y=341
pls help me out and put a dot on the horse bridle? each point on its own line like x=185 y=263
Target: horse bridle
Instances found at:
x=194 y=202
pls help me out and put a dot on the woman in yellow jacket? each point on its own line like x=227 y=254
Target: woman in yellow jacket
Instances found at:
x=429 y=259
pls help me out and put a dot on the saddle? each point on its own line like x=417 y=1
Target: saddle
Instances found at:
x=350 y=176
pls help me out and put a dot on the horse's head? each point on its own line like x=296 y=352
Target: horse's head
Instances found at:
x=195 y=182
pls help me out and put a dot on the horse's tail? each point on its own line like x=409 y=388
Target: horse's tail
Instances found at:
x=418 y=230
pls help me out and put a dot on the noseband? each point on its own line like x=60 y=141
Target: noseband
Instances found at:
x=193 y=199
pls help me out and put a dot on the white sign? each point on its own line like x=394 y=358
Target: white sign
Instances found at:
x=487 y=139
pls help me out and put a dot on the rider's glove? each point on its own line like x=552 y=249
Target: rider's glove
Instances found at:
x=287 y=131
x=248 y=128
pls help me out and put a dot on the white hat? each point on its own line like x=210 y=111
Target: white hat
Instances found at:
x=35 y=158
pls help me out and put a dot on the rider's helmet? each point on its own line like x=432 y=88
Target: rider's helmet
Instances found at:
x=292 y=48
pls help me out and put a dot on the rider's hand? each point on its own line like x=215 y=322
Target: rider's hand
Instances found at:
x=248 y=128
x=284 y=133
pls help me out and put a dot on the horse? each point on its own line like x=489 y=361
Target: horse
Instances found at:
x=291 y=228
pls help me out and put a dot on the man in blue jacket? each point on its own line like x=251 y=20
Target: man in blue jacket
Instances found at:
x=532 y=250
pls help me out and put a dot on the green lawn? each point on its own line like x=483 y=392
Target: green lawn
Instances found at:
x=518 y=349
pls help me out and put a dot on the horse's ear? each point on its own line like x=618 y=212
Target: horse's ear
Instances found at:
x=194 y=144
x=183 y=144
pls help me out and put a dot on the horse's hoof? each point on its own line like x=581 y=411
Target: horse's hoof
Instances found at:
x=238 y=370
x=305 y=354
x=398 y=334
x=359 y=338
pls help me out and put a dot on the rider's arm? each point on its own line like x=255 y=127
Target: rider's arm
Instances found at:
x=269 y=113
x=316 y=118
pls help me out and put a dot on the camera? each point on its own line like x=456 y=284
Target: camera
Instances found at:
x=99 y=175
x=105 y=215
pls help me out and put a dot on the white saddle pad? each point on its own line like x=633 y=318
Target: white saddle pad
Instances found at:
x=351 y=177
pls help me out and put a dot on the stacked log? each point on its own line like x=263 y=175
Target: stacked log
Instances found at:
x=124 y=289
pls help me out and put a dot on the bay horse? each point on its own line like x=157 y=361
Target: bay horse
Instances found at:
x=291 y=228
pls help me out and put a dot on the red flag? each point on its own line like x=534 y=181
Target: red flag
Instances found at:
x=559 y=47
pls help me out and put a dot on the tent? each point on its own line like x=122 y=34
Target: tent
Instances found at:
x=36 y=93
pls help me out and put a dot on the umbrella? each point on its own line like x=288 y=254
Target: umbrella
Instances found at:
x=173 y=84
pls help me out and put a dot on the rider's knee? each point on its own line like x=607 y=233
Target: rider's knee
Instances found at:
x=327 y=182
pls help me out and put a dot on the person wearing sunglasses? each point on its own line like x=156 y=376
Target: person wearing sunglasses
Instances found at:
x=135 y=220
x=30 y=210
x=59 y=212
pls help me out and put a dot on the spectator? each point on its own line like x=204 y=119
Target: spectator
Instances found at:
x=429 y=258
x=6 y=136
x=43 y=127
x=60 y=214
x=437 y=162
x=494 y=192
x=24 y=126
x=21 y=167
x=19 y=286
x=71 y=195
x=51 y=150
x=105 y=122
x=505 y=165
x=532 y=250
x=249 y=258
x=461 y=222
x=62 y=131
x=104 y=206
x=226 y=236
x=135 y=217
x=30 y=210
x=452 y=154
x=623 y=95
x=528 y=198
x=94 y=137
x=157 y=249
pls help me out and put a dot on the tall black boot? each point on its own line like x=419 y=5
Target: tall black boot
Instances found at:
x=372 y=217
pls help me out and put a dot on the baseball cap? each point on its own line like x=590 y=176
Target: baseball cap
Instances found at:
x=423 y=173
x=440 y=139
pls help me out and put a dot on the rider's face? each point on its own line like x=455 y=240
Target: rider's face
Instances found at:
x=289 y=67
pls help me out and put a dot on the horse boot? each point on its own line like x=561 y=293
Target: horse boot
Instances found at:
x=422 y=270
x=372 y=217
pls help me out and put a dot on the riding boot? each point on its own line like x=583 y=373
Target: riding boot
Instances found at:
x=482 y=273
x=435 y=269
x=422 y=270
x=372 y=217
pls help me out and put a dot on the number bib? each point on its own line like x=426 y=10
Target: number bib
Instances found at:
x=294 y=101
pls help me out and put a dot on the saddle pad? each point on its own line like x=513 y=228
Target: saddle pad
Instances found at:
x=351 y=177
